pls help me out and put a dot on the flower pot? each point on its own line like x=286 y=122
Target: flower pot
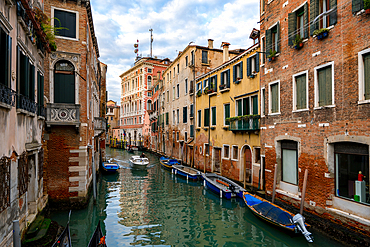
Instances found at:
x=319 y=36
x=325 y=34
x=367 y=11
x=301 y=45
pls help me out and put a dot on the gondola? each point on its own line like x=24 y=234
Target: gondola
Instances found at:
x=64 y=240
x=187 y=172
x=277 y=216
x=97 y=239
x=167 y=163
x=222 y=186
x=109 y=167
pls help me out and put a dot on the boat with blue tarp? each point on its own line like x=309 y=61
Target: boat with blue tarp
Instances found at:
x=109 y=166
x=167 y=163
x=277 y=216
x=187 y=172
x=222 y=186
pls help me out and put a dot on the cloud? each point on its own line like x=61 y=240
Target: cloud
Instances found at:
x=118 y=24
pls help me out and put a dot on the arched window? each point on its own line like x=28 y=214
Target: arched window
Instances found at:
x=64 y=82
x=149 y=81
x=149 y=105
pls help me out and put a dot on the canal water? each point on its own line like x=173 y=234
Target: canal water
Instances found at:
x=153 y=207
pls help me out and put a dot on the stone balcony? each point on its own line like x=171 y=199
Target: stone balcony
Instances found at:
x=63 y=114
x=100 y=125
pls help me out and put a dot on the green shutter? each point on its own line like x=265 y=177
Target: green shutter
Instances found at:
x=301 y=92
x=367 y=75
x=328 y=86
x=240 y=107
x=213 y=115
x=228 y=78
x=199 y=118
x=31 y=93
x=305 y=20
x=258 y=62
x=321 y=83
x=215 y=85
x=268 y=42
x=241 y=69
x=206 y=117
x=325 y=86
x=357 y=5
x=222 y=78
x=314 y=11
x=292 y=27
x=234 y=73
x=274 y=98
x=278 y=37
x=227 y=113
x=255 y=105
x=333 y=15
x=249 y=66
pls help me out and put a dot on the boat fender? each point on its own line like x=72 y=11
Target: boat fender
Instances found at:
x=298 y=220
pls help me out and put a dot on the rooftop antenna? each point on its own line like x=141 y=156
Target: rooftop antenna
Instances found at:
x=151 y=42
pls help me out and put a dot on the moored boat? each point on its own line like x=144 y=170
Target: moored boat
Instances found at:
x=109 y=166
x=97 y=239
x=139 y=161
x=64 y=240
x=222 y=186
x=187 y=172
x=167 y=163
x=277 y=216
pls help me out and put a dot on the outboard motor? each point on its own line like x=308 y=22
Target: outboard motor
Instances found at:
x=298 y=220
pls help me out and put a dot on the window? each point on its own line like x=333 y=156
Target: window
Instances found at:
x=253 y=65
x=67 y=22
x=192 y=62
x=149 y=82
x=235 y=153
x=205 y=83
x=350 y=159
x=178 y=135
x=274 y=98
x=186 y=86
x=205 y=57
x=213 y=123
x=206 y=149
x=357 y=5
x=149 y=70
x=213 y=81
x=185 y=114
x=5 y=58
x=262 y=6
x=40 y=93
x=149 y=94
x=173 y=117
x=64 y=82
x=174 y=72
x=273 y=39
x=263 y=49
x=225 y=79
x=199 y=86
x=238 y=71
x=206 y=117
x=226 y=152
x=178 y=68
x=226 y=114
x=263 y=99
x=199 y=118
x=318 y=7
x=167 y=118
x=324 y=85
x=289 y=162
x=298 y=24
x=364 y=75
x=186 y=61
x=173 y=93
x=300 y=92
x=177 y=91
x=178 y=116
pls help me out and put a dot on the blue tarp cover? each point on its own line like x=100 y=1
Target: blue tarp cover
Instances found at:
x=274 y=213
x=251 y=200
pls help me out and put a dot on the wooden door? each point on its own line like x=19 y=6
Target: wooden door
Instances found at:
x=248 y=165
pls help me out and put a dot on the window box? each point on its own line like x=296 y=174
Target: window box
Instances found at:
x=238 y=80
x=254 y=74
x=272 y=56
x=199 y=93
x=298 y=42
x=222 y=86
x=213 y=127
x=321 y=33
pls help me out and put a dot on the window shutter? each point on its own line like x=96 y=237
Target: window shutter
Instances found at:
x=215 y=86
x=257 y=62
x=322 y=86
x=278 y=37
x=214 y=116
x=228 y=78
x=268 y=42
x=314 y=11
x=301 y=92
x=305 y=20
x=367 y=75
x=241 y=69
x=292 y=27
x=357 y=5
x=234 y=73
x=333 y=15
x=248 y=66
x=240 y=108
x=222 y=78
x=31 y=93
x=328 y=85
x=274 y=98
x=227 y=113
x=255 y=105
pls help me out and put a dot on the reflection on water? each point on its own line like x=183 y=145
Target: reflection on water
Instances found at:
x=153 y=207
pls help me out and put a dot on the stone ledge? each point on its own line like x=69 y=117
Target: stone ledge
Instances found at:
x=350 y=216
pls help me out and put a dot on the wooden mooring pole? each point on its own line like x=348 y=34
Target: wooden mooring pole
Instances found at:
x=274 y=185
x=303 y=191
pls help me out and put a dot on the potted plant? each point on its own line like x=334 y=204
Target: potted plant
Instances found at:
x=367 y=6
x=298 y=42
x=222 y=86
x=321 y=33
x=272 y=55
x=199 y=93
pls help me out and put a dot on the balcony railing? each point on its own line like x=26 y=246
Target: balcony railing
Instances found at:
x=62 y=114
x=245 y=123
x=100 y=124
x=7 y=95
x=25 y=103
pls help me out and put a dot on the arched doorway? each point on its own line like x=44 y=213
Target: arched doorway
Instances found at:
x=247 y=155
x=64 y=82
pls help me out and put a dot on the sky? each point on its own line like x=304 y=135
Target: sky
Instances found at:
x=175 y=23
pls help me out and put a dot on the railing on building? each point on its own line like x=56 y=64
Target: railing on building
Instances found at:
x=7 y=95
x=25 y=103
x=245 y=123
x=62 y=114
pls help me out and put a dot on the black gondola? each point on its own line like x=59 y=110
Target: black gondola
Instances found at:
x=97 y=239
x=64 y=240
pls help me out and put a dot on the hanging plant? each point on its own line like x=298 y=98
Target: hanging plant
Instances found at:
x=298 y=42
x=321 y=33
x=272 y=55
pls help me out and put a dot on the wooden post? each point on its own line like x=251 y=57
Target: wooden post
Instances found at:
x=303 y=191
x=274 y=186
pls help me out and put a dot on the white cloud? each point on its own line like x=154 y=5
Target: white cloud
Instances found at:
x=118 y=24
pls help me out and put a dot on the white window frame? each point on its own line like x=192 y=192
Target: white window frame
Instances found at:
x=295 y=93
x=262 y=58
x=263 y=100
x=232 y=153
x=361 y=77
x=223 y=152
x=278 y=112
x=316 y=104
x=77 y=22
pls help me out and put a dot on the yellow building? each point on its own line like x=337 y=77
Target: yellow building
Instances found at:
x=228 y=117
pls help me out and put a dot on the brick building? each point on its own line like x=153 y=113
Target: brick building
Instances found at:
x=315 y=106
x=23 y=46
x=74 y=88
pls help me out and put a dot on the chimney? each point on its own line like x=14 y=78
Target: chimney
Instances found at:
x=210 y=43
x=225 y=47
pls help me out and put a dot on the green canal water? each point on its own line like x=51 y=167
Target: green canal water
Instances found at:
x=153 y=207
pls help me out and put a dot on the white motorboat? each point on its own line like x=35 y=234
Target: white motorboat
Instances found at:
x=139 y=161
